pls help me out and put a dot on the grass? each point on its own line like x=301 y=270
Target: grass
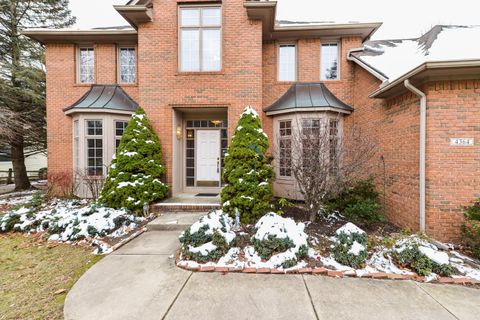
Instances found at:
x=35 y=276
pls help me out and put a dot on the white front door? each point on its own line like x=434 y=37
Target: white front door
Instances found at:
x=208 y=155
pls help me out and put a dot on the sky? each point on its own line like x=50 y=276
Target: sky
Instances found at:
x=401 y=19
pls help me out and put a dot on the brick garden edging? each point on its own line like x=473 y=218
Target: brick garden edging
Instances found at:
x=326 y=272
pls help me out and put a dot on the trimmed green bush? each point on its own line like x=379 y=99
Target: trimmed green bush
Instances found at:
x=134 y=176
x=350 y=249
x=471 y=228
x=359 y=202
x=248 y=173
x=208 y=239
x=272 y=245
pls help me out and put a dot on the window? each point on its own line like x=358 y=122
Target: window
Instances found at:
x=329 y=62
x=285 y=148
x=120 y=127
x=128 y=65
x=86 y=66
x=311 y=141
x=200 y=39
x=287 y=62
x=94 y=140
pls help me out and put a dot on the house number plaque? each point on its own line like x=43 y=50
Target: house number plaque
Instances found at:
x=462 y=142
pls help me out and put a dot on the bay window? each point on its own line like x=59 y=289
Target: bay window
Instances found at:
x=285 y=148
x=200 y=39
x=120 y=127
x=94 y=140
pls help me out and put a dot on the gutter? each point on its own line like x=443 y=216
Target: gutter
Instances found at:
x=423 y=125
x=423 y=67
x=364 y=65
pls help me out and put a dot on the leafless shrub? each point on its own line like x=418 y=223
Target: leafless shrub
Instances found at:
x=93 y=184
x=323 y=159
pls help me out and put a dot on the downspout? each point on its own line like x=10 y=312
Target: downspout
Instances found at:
x=423 y=125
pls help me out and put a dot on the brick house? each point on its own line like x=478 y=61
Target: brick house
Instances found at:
x=194 y=65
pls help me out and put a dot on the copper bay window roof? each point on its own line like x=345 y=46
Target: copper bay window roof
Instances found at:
x=312 y=96
x=104 y=98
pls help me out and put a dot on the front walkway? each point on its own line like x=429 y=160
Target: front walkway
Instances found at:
x=141 y=281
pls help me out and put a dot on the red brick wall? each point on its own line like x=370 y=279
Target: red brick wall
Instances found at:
x=394 y=126
x=162 y=87
x=453 y=173
x=63 y=91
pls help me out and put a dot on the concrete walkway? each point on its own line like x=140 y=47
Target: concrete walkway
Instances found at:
x=141 y=281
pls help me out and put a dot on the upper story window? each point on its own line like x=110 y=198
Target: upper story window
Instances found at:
x=86 y=65
x=329 y=62
x=200 y=39
x=287 y=62
x=127 y=65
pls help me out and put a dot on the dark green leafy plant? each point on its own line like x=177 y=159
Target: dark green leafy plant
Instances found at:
x=272 y=245
x=357 y=203
x=471 y=228
x=342 y=249
x=134 y=176
x=413 y=257
x=248 y=173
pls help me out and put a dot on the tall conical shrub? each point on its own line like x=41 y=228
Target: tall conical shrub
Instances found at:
x=134 y=175
x=248 y=173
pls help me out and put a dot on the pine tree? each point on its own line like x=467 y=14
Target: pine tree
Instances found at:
x=134 y=176
x=248 y=173
x=22 y=76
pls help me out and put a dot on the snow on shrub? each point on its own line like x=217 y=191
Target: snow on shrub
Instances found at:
x=422 y=256
x=209 y=238
x=279 y=240
x=350 y=246
x=69 y=221
x=134 y=175
x=248 y=173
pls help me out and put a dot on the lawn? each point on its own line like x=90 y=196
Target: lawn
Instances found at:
x=35 y=276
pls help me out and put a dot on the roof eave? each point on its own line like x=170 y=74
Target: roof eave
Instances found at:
x=80 y=36
x=430 y=71
x=377 y=74
x=135 y=14
x=307 y=109
x=363 y=30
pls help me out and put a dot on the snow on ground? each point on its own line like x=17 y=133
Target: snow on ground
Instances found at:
x=380 y=258
x=71 y=221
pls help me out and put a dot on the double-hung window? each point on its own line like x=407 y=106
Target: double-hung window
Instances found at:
x=329 y=62
x=285 y=148
x=94 y=140
x=333 y=141
x=86 y=65
x=200 y=39
x=127 y=65
x=287 y=62
x=120 y=127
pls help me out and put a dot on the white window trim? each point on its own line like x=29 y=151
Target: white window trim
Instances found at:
x=79 y=62
x=296 y=60
x=119 y=65
x=201 y=27
x=339 y=75
x=115 y=136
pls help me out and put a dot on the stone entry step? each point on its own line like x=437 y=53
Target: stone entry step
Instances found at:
x=183 y=207
x=174 y=221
